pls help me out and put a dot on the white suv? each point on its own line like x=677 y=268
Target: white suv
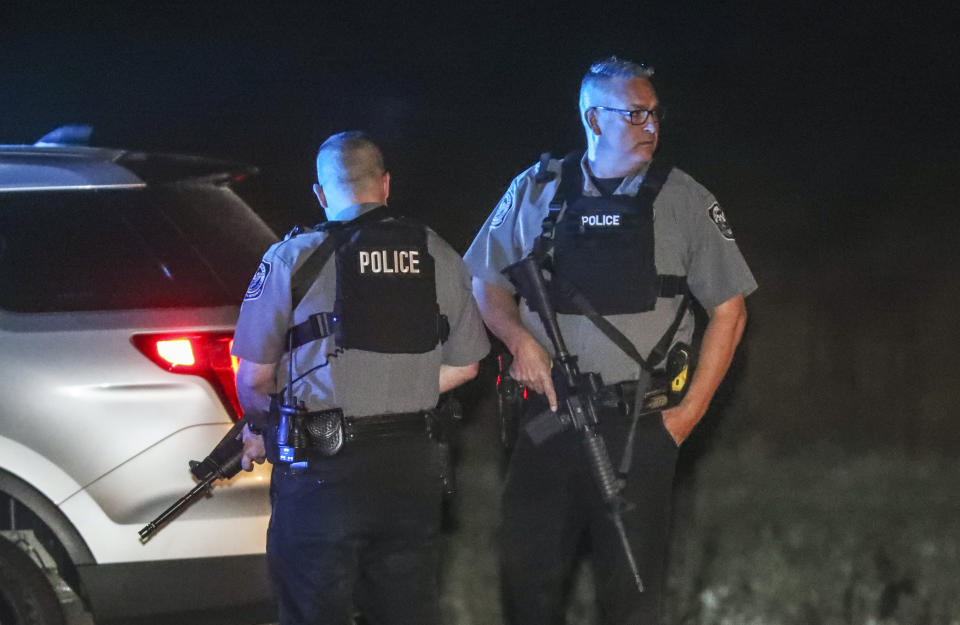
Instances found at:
x=121 y=275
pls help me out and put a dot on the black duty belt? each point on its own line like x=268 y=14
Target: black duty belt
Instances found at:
x=623 y=394
x=357 y=429
x=620 y=394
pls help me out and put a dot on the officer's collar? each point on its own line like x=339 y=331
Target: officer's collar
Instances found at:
x=629 y=186
x=355 y=210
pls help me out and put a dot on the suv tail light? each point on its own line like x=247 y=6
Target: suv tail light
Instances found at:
x=204 y=354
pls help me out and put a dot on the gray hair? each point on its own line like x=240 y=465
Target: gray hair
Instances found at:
x=349 y=159
x=609 y=68
x=615 y=67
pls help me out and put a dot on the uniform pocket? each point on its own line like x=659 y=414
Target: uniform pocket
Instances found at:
x=653 y=443
x=666 y=432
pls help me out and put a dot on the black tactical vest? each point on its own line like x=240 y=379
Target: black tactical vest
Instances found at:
x=604 y=246
x=386 y=299
x=600 y=253
x=387 y=290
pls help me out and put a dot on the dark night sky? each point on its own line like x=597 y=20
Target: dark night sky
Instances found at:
x=820 y=96
x=812 y=123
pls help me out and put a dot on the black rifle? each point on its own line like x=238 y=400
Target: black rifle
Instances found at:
x=576 y=391
x=222 y=463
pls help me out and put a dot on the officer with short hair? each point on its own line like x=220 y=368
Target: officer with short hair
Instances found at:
x=637 y=239
x=351 y=331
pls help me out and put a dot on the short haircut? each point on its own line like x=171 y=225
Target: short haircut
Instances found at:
x=615 y=67
x=349 y=159
x=609 y=68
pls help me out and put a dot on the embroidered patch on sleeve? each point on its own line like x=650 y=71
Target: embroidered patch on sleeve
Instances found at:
x=256 y=284
x=500 y=212
x=716 y=214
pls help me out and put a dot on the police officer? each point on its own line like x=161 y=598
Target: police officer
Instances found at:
x=372 y=332
x=637 y=239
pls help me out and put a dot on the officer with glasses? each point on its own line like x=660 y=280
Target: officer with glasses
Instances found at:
x=638 y=239
x=637 y=117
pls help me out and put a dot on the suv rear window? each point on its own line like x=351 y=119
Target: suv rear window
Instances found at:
x=110 y=249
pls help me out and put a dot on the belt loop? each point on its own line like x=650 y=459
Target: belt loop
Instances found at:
x=349 y=432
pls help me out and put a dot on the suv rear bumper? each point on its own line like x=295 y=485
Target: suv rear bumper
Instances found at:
x=208 y=591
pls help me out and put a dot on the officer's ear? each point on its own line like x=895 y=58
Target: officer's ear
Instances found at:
x=590 y=120
x=318 y=191
x=386 y=185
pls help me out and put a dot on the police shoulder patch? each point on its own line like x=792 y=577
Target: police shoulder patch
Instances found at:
x=717 y=216
x=256 y=284
x=500 y=212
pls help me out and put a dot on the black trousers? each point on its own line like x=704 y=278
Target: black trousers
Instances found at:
x=358 y=531
x=550 y=501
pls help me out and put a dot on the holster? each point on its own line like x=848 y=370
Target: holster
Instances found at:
x=443 y=423
x=307 y=435
x=320 y=432
x=510 y=402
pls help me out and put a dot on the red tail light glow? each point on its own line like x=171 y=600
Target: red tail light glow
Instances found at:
x=203 y=354
x=177 y=352
x=234 y=361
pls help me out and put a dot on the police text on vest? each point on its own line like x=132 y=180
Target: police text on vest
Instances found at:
x=389 y=261
x=601 y=221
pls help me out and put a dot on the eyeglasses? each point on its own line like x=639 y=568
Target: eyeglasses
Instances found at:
x=638 y=117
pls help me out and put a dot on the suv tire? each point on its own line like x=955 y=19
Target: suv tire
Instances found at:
x=26 y=596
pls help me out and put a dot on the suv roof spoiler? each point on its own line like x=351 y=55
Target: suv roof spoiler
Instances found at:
x=152 y=168
x=155 y=168
x=68 y=134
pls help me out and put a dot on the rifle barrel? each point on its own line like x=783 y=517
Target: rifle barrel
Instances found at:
x=631 y=561
x=164 y=517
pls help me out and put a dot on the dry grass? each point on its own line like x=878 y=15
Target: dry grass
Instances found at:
x=821 y=538
x=816 y=537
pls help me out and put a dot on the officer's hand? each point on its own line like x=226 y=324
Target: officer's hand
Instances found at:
x=531 y=367
x=253 y=450
x=679 y=422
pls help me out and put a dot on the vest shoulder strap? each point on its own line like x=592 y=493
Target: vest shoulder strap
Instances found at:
x=653 y=181
x=543 y=173
x=571 y=182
